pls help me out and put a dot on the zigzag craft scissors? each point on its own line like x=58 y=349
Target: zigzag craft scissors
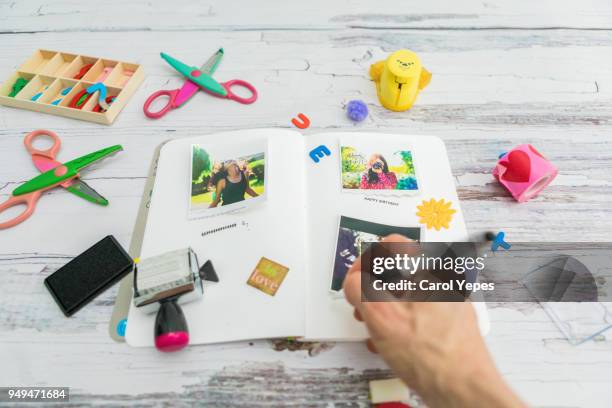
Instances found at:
x=197 y=78
x=54 y=174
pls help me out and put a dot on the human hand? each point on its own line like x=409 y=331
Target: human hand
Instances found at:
x=435 y=348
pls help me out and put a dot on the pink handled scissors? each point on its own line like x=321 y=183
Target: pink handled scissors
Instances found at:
x=44 y=160
x=201 y=80
x=29 y=200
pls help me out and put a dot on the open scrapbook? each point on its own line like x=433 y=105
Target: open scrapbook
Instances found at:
x=281 y=216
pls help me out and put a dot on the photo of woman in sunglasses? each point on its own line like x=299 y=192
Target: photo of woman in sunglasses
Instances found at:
x=376 y=168
x=377 y=175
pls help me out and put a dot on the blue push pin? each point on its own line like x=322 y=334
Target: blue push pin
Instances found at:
x=498 y=241
x=121 y=326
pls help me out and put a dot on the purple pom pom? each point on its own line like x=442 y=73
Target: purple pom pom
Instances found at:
x=357 y=110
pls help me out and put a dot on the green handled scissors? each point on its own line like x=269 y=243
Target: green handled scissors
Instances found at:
x=54 y=174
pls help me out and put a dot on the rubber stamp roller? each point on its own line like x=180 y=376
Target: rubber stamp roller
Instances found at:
x=161 y=284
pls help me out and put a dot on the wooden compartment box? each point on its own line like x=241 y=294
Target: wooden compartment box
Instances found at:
x=56 y=78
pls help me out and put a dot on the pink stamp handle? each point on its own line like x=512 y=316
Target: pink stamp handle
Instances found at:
x=30 y=202
x=239 y=82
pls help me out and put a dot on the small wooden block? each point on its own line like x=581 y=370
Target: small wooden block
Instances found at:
x=391 y=390
x=392 y=405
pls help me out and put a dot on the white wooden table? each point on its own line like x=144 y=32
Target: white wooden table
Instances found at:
x=504 y=73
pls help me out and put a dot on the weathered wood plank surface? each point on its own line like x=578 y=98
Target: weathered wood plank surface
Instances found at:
x=505 y=73
x=185 y=15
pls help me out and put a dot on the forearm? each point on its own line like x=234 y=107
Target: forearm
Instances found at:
x=480 y=391
x=474 y=384
x=450 y=371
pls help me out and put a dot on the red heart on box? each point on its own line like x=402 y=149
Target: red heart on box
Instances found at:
x=518 y=167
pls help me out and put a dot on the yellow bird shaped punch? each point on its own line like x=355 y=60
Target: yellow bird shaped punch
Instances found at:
x=399 y=79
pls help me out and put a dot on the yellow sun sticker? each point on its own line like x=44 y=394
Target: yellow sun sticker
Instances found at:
x=435 y=214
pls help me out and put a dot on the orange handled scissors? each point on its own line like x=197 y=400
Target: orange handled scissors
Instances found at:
x=53 y=174
x=197 y=78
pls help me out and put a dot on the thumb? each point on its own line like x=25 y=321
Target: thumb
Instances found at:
x=352 y=285
x=396 y=238
x=352 y=281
